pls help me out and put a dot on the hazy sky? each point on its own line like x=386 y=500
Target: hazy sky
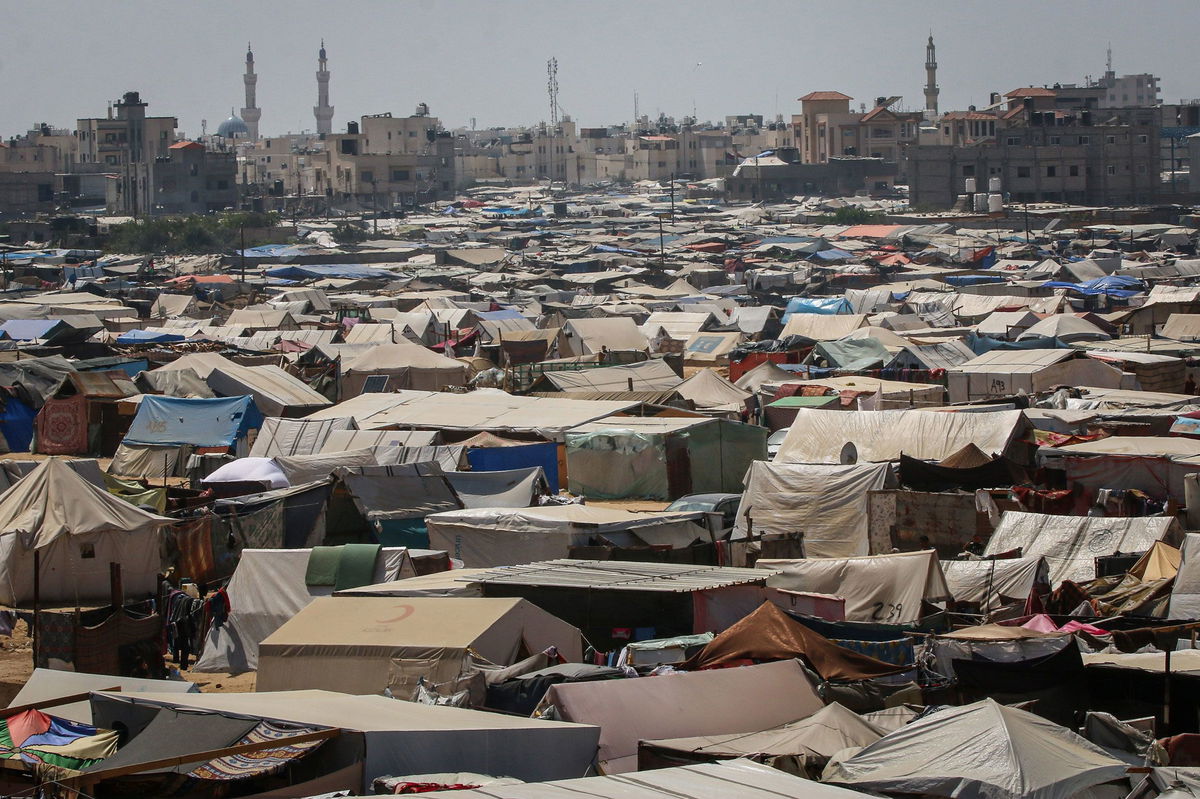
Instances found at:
x=487 y=58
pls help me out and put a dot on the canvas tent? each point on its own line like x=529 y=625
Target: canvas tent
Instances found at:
x=652 y=375
x=980 y=751
x=165 y=428
x=1185 y=591
x=79 y=529
x=711 y=392
x=367 y=644
x=994 y=582
x=722 y=701
x=513 y=488
x=1071 y=544
x=882 y=589
x=289 y=437
x=391 y=737
x=402 y=366
x=818 y=436
x=269 y=587
x=828 y=504
x=1002 y=373
x=275 y=392
x=510 y=536
x=46 y=685
x=592 y=335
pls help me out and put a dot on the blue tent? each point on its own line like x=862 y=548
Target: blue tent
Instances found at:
x=1115 y=285
x=341 y=271
x=148 y=337
x=173 y=421
x=818 y=305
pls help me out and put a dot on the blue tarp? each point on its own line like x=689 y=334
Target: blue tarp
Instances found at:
x=17 y=424
x=274 y=251
x=827 y=306
x=499 y=459
x=172 y=421
x=148 y=337
x=73 y=272
x=973 y=280
x=982 y=344
x=494 y=316
x=611 y=248
x=1114 y=285
x=342 y=271
x=833 y=254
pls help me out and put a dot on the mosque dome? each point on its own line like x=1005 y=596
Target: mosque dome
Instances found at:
x=233 y=127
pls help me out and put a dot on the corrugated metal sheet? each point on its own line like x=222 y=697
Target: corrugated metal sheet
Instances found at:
x=622 y=576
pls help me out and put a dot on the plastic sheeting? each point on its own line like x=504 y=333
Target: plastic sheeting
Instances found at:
x=1185 y=593
x=173 y=421
x=981 y=751
x=828 y=504
x=263 y=470
x=307 y=468
x=818 y=436
x=517 y=488
x=887 y=589
x=992 y=583
x=1071 y=544
x=278 y=436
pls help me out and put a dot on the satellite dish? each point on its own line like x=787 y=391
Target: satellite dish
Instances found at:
x=849 y=454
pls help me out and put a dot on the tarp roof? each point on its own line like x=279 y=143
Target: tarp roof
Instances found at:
x=651 y=375
x=175 y=421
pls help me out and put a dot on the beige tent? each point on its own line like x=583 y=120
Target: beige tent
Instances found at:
x=589 y=336
x=823 y=327
x=405 y=366
x=709 y=391
x=364 y=645
x=79 y=530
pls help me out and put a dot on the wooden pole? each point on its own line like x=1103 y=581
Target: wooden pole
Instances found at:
x=116 y=590
x=37 y=601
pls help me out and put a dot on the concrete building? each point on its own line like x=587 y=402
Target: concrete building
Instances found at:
x=782 y=175
x=193 y=179
x=369 y=169
x=126 y=143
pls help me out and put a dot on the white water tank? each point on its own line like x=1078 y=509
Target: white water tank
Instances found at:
x=994 y=183
x=995 y=203
x=981 y=202
x=970 y=185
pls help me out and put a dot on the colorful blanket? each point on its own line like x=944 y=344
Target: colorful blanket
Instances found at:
x=264 y=761
x=33 y=737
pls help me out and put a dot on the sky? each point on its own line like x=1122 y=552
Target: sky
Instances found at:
x=486 y=59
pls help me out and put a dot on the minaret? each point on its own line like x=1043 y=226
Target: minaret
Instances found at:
x=931 y=87
x=323 y=111
x=251 y=113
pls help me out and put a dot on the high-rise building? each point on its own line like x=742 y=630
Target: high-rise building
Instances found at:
x=931 y=87
x=251 y=113
x=323 y=111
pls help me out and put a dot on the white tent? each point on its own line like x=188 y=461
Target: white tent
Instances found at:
x=267 y=588
x=991 y=583
x=1066 y=328
x=279 y=436
x=1071 y=544
x=877 y=588
x=1185 y=591
x=404 y=366
x=79 y=530
x=709 y=391
x=980 y=751
x=827 y=503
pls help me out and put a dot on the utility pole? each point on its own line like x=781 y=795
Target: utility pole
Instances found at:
x=662 y=250
x=672 y=196
x=1027 y=222
x=242 y=231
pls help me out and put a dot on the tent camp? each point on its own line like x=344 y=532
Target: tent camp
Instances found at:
x=509 y=536
x=652 y=375
x=367 y=644
x=889 y=589
x=387 y=367
x=1002 y=373
x=822 y=327
x=269 y=587
x=827 y=503
x=708 y=703
x=818 y=436
x=384 y=737
x=78 y=529
x=1071 y=544
x=661 y=458
x=980 y=751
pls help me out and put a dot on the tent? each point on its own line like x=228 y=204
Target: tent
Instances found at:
x=661 y=457
x=279 y=436
x=883 y=589
x=275 y=392
x=1066 y=328
x=1001 y=373
x=591 y=336
x=268 y=587
x=705 y=781
x=994 y=582
x=1071 y=544
x=48 y=685
x=770 y=634
x=652 y=375
x=396 y=499
x=1185 y=591
x=819 y=327
x=980 y=751
x=827 y=503
x=402 y=366
x=708 y=703
x=249 y=470
x=515 y=488
x=821 y=436
x=711 y=392
x=509 y=536
x=387 y=737
x=79 y=530
x=367 y=644
x=175 y=422
x=801 y=747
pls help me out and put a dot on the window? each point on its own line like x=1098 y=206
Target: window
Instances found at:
x=110 y=159
x=1022 y=171
x=968 y=170
x=1056 y=139
x=399 y=175
x=1143 y=138
x=1012 y=141
x=1085 y=140
x=412 y=134
x=1112 y=169
x=1073 y=171
x=1051 y=171
x=1110 y=139
x=366 y=176
x=87 y=551
x=1141 y=168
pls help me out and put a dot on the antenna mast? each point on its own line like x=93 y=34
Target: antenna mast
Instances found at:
x=552 y=89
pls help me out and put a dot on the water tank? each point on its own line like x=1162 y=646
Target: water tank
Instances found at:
x=970 y=187
x=994 y=183
x=981 y=202
x=995 y=203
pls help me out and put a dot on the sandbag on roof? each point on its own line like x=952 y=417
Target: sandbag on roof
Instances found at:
x=981 y=751
x=819 y=436
x=770 y=634
x=829 y=503
x=877 y=588
x=1071 y=544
